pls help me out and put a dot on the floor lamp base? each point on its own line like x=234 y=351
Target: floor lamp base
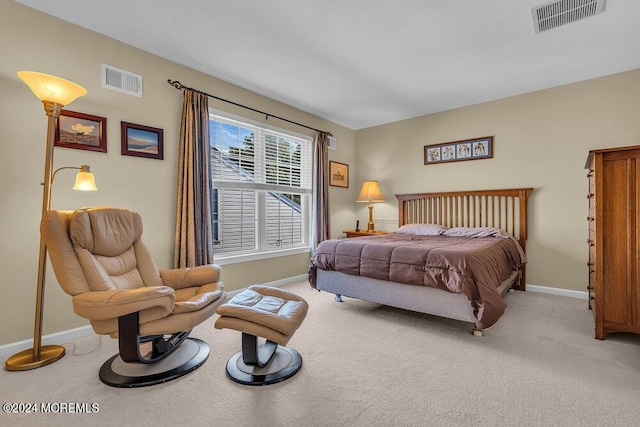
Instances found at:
x=24 y=360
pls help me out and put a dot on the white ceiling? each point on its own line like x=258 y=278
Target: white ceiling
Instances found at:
x=361 y=63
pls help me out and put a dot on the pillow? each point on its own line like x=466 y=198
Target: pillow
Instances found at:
x=475 y=232
x=422 y=229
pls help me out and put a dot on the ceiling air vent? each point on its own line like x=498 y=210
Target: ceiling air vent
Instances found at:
x=121 y=80
x=557 y=13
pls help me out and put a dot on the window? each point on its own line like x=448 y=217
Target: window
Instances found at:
x=261 y=187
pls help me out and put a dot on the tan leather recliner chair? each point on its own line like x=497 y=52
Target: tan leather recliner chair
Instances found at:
x=99 y=259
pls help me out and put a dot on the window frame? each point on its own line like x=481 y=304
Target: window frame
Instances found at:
x=262 y=251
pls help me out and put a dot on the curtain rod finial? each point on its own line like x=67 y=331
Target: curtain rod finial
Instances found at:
x=175 y=84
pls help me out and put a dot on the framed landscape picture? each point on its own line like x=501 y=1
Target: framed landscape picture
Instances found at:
x=81 y=131
x=456 y=151
x=338 y=174
x=142 y=141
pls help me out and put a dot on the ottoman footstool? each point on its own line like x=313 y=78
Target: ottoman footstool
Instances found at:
x=270 y=313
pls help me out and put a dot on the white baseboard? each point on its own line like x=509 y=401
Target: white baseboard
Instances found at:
x=64 y=336
x=55 y=338
x=558 y=291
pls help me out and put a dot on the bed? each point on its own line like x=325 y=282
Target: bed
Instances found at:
x=457 y=272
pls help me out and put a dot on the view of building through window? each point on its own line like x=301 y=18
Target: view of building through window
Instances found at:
x=261 y=187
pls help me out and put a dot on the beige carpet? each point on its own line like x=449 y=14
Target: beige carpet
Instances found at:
x=369 y=365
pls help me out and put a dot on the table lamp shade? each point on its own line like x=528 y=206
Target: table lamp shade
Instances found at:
x=370 y=192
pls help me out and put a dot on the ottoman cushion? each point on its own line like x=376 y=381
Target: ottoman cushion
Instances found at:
x=263 y=311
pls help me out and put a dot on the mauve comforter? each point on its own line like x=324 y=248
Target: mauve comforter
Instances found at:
x=475 y=266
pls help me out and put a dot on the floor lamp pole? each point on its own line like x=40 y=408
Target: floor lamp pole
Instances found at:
x=40 y=355
x=54 y=92
x=51 y=352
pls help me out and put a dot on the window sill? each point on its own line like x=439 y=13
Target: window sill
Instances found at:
x=234 y=259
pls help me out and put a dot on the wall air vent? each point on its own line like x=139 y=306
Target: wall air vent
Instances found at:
x=562 y=12
x=121 y=80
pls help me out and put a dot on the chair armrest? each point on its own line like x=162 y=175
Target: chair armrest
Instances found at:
x=104 y=305
x=180 y=278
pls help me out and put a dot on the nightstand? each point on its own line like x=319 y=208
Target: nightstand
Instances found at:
x=354 y=233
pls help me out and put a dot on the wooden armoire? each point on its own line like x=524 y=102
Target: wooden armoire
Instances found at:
x=614 y=236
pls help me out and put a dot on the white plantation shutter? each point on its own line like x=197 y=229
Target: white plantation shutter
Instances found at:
x=284 y=221
x=262 y=183
x=237 y=215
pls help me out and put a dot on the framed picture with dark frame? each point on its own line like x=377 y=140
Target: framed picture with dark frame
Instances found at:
x=457 y=151
x=339 y=174
x=142 y=141
x=81 y=131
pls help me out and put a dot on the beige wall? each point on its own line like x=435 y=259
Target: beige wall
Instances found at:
x=541 y=140
x=30 y=40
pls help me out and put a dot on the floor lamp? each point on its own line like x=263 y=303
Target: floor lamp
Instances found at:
x=55 y=93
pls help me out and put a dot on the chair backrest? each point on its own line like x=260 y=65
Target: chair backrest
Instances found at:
x=98 y=249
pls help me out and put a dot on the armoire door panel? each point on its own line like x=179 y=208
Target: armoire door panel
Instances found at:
x=616 y=229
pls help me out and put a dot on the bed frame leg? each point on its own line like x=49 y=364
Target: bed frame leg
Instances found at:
x=478 y=332
x=338 y=298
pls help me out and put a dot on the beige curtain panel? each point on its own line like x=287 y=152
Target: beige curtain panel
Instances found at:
x=194 y=234
x=321 y=191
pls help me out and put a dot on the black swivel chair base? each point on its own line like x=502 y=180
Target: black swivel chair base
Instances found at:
x=263 y=364
x=191 y=354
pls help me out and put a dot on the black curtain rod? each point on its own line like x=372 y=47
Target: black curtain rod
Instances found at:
x=180 y=86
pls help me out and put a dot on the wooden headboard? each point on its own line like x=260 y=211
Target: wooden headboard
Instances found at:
x=505 y=209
